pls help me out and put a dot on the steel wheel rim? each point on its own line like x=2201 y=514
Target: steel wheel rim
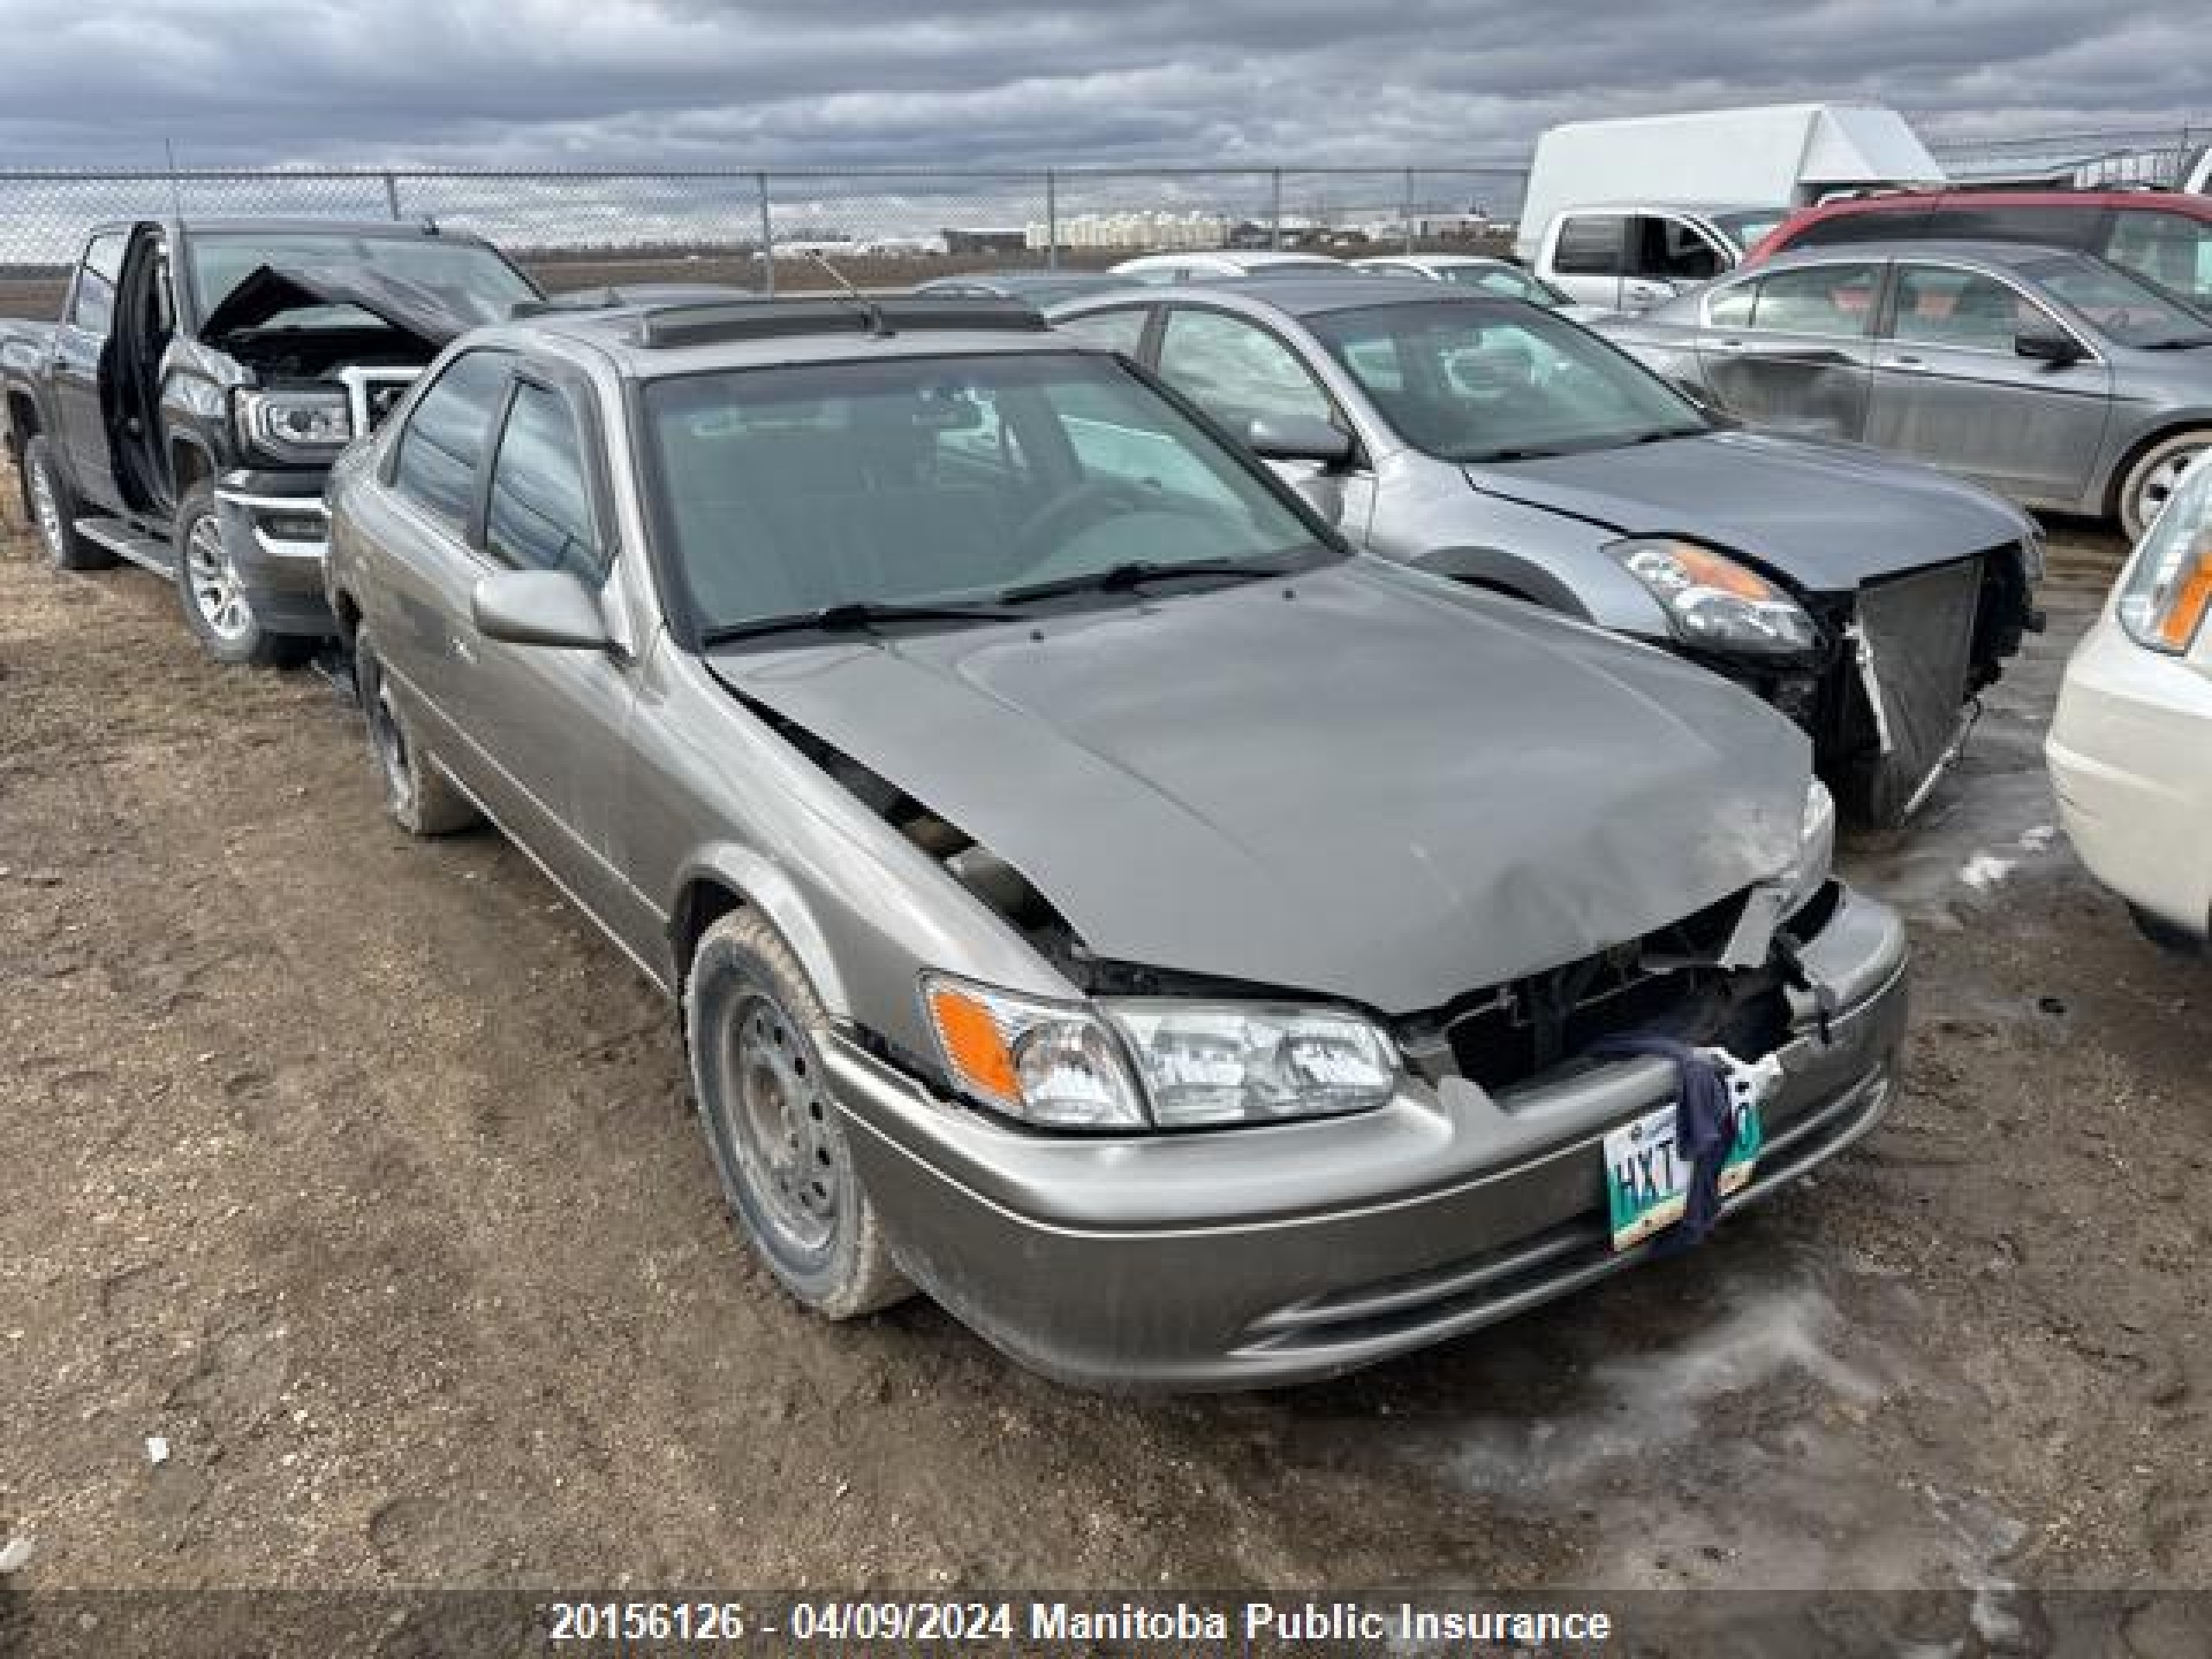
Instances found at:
x=214 y=584
x=775 y=1119
x=2158 y=486
x=47 y=509
x=390 y=743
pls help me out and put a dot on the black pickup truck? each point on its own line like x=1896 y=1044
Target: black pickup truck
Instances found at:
x=184 y=411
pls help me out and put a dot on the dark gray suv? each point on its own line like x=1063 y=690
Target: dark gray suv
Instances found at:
x=1193 y=953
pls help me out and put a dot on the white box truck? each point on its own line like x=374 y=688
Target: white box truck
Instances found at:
x=1680 y=198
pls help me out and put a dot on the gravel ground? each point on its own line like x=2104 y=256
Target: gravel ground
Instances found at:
x=360 y=1171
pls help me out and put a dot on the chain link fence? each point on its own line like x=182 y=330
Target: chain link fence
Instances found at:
x=759 y=230
x=889 y=228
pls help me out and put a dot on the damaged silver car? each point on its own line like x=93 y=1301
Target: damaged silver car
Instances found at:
x=1196 y=954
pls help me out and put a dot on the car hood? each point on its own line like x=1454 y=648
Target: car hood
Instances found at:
x=1823 y=516
x=1364 y=783
x=267 y=292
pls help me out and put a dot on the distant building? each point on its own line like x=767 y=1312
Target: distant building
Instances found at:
x=987 y=241
x=1146 y=231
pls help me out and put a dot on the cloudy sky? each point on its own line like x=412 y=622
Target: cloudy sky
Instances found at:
x=940 y=82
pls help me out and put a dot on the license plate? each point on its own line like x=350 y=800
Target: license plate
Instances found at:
x=1648 y=1181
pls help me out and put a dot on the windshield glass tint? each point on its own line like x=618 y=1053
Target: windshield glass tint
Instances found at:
x=937 y=479
x=1507 y=281
x=2130 y=312
x=471 y=278
x=1748 y=230
x=1472 y=381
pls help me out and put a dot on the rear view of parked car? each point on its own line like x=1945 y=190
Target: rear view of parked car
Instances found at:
x=1490 y=443
x=2054 y=377
x=1500 y=278
x=1185 y=948
x=2130 y=747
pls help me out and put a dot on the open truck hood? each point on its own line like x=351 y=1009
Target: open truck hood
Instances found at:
x=1381 y=787
x=1824 y=518
x=268 y=292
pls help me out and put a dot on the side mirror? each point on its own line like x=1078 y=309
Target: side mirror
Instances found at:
x=539 y=608
x=1298 y=437
x=2043 y=341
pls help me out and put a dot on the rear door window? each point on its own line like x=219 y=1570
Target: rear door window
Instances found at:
x=1939 y=305
x=443 y=448
x=1589 y=245
x=1836 y=299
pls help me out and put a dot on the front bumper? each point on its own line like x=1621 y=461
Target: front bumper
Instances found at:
x=278 y=534
x=2131 y=762
x=1271 y=1256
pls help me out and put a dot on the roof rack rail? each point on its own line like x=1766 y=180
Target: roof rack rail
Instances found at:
x=764 y=319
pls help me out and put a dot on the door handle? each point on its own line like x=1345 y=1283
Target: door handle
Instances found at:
x=1907 y=365
x=1729 y=345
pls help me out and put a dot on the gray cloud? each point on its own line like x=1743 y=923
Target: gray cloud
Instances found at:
x=782 y=83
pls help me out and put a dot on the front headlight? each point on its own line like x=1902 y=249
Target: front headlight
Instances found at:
x=1139 y=1064
x=296 y=425
x=1258 y=1063
x=1714 y=603
x=2167 y=590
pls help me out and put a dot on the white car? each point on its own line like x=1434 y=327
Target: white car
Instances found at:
x=1213 y=264
x=1486 y=275
x=2131 y=747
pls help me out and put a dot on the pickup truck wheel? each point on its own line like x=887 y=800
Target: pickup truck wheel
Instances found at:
x=53 y=507
x=420 y=797
x=753 y=1026
x=2153 y=476
x=216 y=608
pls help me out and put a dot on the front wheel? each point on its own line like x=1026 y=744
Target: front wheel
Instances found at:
x=2150 y=480
x=755 y=1028
x=216 y=606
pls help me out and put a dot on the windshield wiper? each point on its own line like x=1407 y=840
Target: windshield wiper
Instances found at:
x=1667 y=434
x=854 y=616
x=1138 y=573
x=2176 y=343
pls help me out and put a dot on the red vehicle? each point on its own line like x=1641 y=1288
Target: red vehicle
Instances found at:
x=2163 y=236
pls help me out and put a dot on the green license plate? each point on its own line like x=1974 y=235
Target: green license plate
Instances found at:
x=1647 y=1182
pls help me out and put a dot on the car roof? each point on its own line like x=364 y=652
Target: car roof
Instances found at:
x=1434 y=259
x=413 y=229
x=2012 y=254
x=2088 y=200
x=1703 y=209
x=1301 y=296
x=764 y=332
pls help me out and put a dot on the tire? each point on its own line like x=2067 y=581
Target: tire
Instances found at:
x=51 y=500
x=215 y=605
x=2150 y=477
x=422 y=800
x=2164 y=934
x=753 y=1027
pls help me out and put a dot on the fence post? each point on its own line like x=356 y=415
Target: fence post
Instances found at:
x=1406 y=213
x=392 y=195
x=767 y=240
x=1274 y=207
x=1052 y=220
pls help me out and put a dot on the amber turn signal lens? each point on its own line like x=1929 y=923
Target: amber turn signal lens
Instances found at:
x=973 y=1044
x=1708 y=569
x=2192 y=599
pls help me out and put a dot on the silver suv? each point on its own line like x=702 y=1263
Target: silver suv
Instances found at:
x=1195 y=954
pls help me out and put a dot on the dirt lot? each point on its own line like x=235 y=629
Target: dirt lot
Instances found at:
x=362 y=1172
